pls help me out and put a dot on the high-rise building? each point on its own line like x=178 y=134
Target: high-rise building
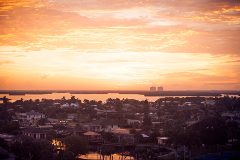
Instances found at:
x=160 y=88
x=152 y=88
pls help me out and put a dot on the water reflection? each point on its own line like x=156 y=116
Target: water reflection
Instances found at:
x=96 y=156
x=97 y=97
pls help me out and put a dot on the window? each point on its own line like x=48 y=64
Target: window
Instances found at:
x=41 y=136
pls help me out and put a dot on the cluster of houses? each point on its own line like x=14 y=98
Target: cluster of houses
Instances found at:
x=31 y=129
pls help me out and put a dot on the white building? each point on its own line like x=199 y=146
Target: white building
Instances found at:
x=160 y=88
x=74 y=105
x=30 y=116
x=132 y=121
x=35 y=133
x=100 y=125
x=152 y=88
x=162 y=140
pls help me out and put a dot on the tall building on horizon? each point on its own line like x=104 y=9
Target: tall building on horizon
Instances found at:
x=160 y=88
x=153 y=88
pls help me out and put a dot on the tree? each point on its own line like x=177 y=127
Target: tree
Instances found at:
x=191 y=139
x=176 y=139
x=78 y=126
x=232 y=129
x=51 y=135
x=213 y=130
x=118 y=105
x=137 y=134
x=28 y=149
x=76 y=144
x=19 y=150
x=146 y=119
x=78 y=113
x=160 y=113
x=73 y=99
x=138 y=149
x=149 y=155
x=42 y=121
x=68 y=155
x=107 y=150
x=153 y=136
x=4 y=144
x=5 y=100
x=123 y=142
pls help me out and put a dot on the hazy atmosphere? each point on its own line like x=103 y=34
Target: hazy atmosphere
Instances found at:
x=120 y=44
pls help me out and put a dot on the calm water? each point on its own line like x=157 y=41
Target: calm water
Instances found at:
x=96 y=156
x=97 y=97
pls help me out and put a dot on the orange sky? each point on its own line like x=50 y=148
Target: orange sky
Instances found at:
x=120 y=44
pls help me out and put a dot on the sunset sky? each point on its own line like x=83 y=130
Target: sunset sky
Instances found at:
x=120 y=44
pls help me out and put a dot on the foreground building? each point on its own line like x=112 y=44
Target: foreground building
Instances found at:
x=30 y=117
x=101 y=125
x=35 y=133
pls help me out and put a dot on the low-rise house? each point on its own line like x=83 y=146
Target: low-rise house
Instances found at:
x=156 y=124
x=209 y=102
x=104 y=111
x=73 y=105
x=127 y=107
x=92 y=137
x=132 y=121
x=71 y=116
x=120 y=134
x=197 y=117
x=30 y=117
x=35 y=133
x=162 y=140
x=100 y=125
x=153 y=116
x=153 y=109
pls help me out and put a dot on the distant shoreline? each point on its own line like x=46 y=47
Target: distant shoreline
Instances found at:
x=145 y=93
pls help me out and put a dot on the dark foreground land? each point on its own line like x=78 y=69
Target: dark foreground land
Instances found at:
x=141 y=92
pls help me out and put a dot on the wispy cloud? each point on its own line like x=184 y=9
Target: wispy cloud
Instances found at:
x=115 y=61
x=6 y=62
x=44 y=76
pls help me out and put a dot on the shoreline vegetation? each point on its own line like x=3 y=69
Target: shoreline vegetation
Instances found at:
x=140 y=92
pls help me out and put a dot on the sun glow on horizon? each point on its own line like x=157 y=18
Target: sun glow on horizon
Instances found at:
x=119 y=45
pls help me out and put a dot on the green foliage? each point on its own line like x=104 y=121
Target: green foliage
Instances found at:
x=42 y=121
x=51 y=135
x=78 y=126
x=149 y=155
x=4 y=144
x=107 y=135
x=118 y=105
x=68 y=155
x=11 y=127
x=27 y=148
x=76 y=144
x=107 y=150
x=153 y=136
x=213 y=130
x=114 y=140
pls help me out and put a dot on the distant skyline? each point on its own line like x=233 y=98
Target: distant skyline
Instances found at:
x=119 y=44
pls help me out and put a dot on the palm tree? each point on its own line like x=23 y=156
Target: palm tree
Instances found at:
x=78 y=113
x=111 y=150
x=104 y=127
x=176 y=140
x=138 y=149
x=190 y=139
x=123 y=143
